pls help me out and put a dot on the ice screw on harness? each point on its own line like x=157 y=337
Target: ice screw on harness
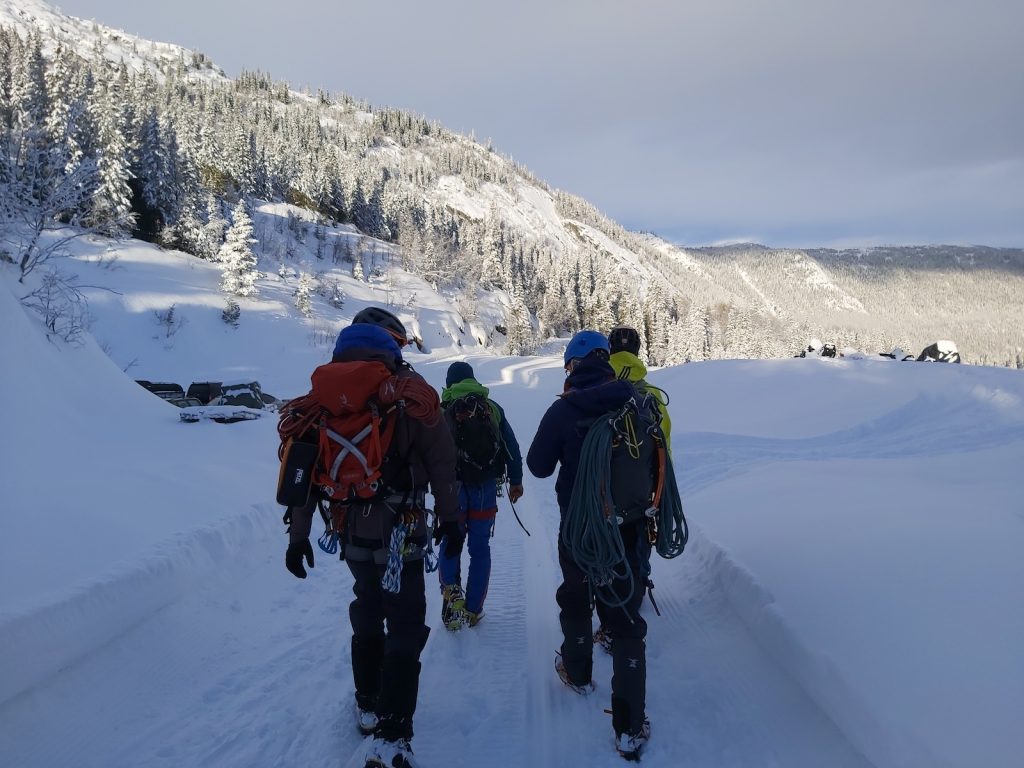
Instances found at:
x=392 y=579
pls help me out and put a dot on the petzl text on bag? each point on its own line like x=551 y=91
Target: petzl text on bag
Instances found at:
x=296 y=477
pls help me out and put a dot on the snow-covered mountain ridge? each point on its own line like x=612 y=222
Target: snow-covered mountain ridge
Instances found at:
x=465 y=218
x=90 y=39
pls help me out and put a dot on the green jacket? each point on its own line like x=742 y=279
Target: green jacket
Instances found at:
x=514 y=463
x=631 y=368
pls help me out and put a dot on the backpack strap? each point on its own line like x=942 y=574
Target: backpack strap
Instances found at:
x=351 y=447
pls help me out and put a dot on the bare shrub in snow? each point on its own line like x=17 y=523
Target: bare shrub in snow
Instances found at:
x=61 y=305
x=170 y=321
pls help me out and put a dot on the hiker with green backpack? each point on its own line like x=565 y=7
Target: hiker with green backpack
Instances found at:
x=617 y=498
x=486 y=449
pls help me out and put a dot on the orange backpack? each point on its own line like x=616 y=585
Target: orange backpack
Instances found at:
x=336 y=437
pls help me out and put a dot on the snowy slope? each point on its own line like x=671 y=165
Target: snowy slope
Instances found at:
x=87 y=38
x=848 y=598
x=127 y=284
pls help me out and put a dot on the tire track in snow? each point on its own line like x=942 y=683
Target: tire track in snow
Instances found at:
x=478 y=669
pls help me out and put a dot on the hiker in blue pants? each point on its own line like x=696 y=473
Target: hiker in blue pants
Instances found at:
x=486 y=448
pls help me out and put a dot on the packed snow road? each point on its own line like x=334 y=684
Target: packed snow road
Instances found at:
x=252 y=669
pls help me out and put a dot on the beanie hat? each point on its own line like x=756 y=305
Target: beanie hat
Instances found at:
x=457 y=372
x=622 y=338
x=364 y=336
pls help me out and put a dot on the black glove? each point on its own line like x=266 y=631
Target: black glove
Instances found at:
x=452 y=531
x=293 y=557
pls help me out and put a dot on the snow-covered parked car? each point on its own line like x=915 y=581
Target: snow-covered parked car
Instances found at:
x=165 y=390
x=942 y=351
x=240 y=400
x=222 y=414
x=245 y=393
x=897 y=353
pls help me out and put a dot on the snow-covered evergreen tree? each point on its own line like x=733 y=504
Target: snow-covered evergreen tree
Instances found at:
x=213 y=231
x=111 y=202
x=519 y=339
x=238 y=262
x=303 y=295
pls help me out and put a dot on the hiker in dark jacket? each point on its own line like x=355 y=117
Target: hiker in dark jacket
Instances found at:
x=591 y=390
x=478 y=487
x=389 y=629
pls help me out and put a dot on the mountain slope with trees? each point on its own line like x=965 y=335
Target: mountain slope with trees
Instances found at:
x=114 y=135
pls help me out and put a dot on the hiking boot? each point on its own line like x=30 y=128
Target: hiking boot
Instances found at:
x=366 y=720
x=630 y=745
x=603 y=638
x=453 y=607
x=582 y=689
x=390 y=754
x=474 y=618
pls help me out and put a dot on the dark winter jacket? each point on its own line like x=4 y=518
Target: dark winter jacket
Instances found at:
x=513 y=456
x=590 y=390
x=420 y=455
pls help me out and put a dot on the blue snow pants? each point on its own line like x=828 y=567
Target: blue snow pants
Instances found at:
x=479 y=504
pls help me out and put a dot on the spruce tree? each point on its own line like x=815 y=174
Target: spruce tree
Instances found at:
x=303 y=297
x=236 y=256
x=111 y=202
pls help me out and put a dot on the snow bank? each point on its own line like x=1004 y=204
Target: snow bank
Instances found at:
x=39 y=641
x=873 y=544
x=111 y=505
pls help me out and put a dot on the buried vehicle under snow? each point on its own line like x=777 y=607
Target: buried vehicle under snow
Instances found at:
x=233 y=401
x=943 y=351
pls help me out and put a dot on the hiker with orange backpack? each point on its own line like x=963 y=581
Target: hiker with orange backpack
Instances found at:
x=380 y=441
x=487 y=449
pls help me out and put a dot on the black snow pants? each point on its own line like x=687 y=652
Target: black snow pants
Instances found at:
x=625 y=625
x=386 y=659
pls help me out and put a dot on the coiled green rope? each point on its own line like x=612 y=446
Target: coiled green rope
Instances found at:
x=591 y=536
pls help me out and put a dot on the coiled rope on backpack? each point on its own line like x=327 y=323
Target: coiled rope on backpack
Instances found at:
x=589 y=533
x=673 y=532
x=590 y=530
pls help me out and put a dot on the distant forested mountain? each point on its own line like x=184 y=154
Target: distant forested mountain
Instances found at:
x=115 y=135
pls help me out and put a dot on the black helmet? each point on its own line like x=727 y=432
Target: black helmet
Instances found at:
x=383 y=319
x=624 y=339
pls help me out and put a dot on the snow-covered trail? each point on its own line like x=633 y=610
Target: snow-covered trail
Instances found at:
x=252 y=668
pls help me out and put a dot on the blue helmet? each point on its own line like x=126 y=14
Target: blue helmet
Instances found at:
x=583 y=343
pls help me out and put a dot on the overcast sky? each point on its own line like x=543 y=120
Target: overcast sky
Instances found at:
x=787 y=122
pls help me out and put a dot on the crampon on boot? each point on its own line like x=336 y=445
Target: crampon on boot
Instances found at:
x=582 y=689
x=366 y=720
x=631 y=745
x=603 y=638
x=453 y=607
x=474 y=618
x=383 y=753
